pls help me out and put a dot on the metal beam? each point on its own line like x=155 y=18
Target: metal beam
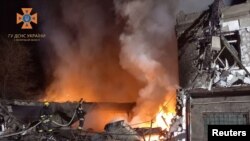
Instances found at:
x=234 y=53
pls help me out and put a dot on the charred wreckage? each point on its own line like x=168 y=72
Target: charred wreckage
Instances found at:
x=28 y=120
x=214 y=64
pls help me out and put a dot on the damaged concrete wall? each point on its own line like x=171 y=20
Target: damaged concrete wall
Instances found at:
x=188 y=69
x=184 y=21
x=189 y=53
x=214 y=60
x=203 y=65
x=245 y=45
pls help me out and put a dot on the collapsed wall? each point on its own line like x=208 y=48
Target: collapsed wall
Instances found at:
x=214 y=62
x=214 y=56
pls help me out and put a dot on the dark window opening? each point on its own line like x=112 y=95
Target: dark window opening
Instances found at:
x=233 y=2
x=234 y=40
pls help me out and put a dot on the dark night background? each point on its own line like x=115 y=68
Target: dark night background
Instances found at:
x=8 y=10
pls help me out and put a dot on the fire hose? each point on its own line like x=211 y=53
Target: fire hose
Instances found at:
x=20 y=132
x=65 y=125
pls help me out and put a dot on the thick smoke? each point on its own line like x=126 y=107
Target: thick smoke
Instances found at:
x=90 y=52
x=149 y=52
x=83 y=45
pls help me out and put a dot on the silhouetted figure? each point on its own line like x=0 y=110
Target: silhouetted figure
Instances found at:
x=2 y=123
x=80 y=115
x=45 y=117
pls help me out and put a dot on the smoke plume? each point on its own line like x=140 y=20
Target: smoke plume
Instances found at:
x=83 y=52
x=149 y=51
x=110 y=51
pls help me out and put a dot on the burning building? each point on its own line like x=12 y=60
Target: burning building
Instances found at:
x=121 y=58
x=107 y=51
x=214 y=67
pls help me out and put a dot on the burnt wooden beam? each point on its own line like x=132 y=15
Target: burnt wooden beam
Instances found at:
x=234 y=53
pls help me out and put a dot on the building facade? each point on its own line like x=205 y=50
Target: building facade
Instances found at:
x=214 y=62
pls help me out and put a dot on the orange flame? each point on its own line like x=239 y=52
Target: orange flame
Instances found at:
x=162 y=119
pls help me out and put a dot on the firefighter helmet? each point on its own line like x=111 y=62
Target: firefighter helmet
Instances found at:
x=46 y=103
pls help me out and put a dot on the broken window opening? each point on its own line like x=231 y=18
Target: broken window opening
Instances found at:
x=233 y=39
x=226 y=57
x=235 y=2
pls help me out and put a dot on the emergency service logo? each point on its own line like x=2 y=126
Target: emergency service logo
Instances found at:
x=26 y=18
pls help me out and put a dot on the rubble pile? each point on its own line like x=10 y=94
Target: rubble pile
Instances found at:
x=217 y=44
x=19 y=120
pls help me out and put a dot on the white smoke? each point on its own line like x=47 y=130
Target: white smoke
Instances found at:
x=83 y=46
x=149 y=51
x=84 y=40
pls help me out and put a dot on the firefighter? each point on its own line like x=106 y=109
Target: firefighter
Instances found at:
x=2 y=123
x=45 y=117
x=80 y=115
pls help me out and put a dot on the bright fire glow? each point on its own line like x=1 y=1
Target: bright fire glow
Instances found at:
x=152 y=138
x=163 y=119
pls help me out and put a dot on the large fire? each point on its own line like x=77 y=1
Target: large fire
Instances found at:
x=163 y=120
x=162 y=117
x=115 y=52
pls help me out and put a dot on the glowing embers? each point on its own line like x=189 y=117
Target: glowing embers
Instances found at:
x=163 y=120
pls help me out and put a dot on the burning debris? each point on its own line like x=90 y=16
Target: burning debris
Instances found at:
x=213 y=50
x=105 y=52
x=18 y=122
x=120 y=130
x=140 y=69
x=125 y=55
x=142 y=53
x=56 y=124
